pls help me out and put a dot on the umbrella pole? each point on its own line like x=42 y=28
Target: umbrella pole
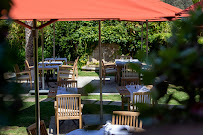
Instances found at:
x=42 y=40
x=37 y=106
x=100 y=75
x=142 y=36
x=54 y=41
x=147 y=38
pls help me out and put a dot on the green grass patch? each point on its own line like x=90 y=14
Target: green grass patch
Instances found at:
x=104 y=97
x=87 y=73
x=26 y=117
x=33 y=96
x=95 y=109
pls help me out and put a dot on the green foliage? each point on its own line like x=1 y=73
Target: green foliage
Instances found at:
x=80 y=38
x=9 y=111
x=181 y=64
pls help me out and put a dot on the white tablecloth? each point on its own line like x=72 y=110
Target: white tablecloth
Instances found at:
x=62 y=90
x=50 y=59
x=52 y=63
x=48 y=67
x=139 y=88
x=122 y=62
x=106 y=130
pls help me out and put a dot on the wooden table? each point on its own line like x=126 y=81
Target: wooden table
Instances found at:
x=124 y=92
x=53 y=91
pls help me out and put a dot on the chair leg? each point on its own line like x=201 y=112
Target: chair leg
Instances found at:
x=128 y=104
x=80 y=123
x=30 y=84
x=122 y=100
x=57 y=129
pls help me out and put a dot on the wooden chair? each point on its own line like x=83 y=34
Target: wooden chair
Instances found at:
x=129 y=76
x=68 y=107
x=22 y=75
x=68 y=84
x=31 y=130
x=70 y=64
x=109 y=68
x=68 y=72
x=141 y=97
x=128 y=81
x=27 y=66
x=126 y=118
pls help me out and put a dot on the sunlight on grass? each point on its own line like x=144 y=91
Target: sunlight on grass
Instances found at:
x=13 y=130
x=33 y=97
x=104 y=97
x=87 y=73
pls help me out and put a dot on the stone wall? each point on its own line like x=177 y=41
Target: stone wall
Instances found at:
x=179 y=3
x=110 y=52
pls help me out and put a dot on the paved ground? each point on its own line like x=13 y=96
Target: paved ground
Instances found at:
x=83 y=82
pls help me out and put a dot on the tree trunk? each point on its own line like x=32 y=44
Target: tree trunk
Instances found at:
x=29 y=43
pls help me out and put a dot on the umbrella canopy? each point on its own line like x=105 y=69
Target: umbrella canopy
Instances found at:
x=185 y=12
x=85 y=10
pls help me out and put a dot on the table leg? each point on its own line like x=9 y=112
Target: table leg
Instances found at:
x=119 y=74
x=122 y=100
x=128 y=103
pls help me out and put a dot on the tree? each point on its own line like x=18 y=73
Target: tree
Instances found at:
x=29 y=43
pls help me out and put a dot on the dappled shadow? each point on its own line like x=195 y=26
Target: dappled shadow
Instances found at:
x=26 y=116
x=93 y=86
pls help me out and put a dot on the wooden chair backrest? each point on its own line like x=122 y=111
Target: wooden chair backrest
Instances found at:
x=68 y=83
x=68 y=105
x=130 y=81
x=126 y=118
x=27 y=66
x=31 y=130
x=129 y=72
x=141 y=97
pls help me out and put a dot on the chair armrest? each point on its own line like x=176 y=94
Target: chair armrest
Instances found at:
x=82 y=105
x=31 y=67
x=66 y=66
x=110 y=66
x=69 y=62
x=23 y=72
x=55 y=104
x=65 y=72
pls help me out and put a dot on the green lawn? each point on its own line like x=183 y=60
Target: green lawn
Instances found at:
x=26 y=116
x=87 y=73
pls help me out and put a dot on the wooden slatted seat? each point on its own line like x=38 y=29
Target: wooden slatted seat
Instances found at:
x=23 y=75
x=126 y=118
